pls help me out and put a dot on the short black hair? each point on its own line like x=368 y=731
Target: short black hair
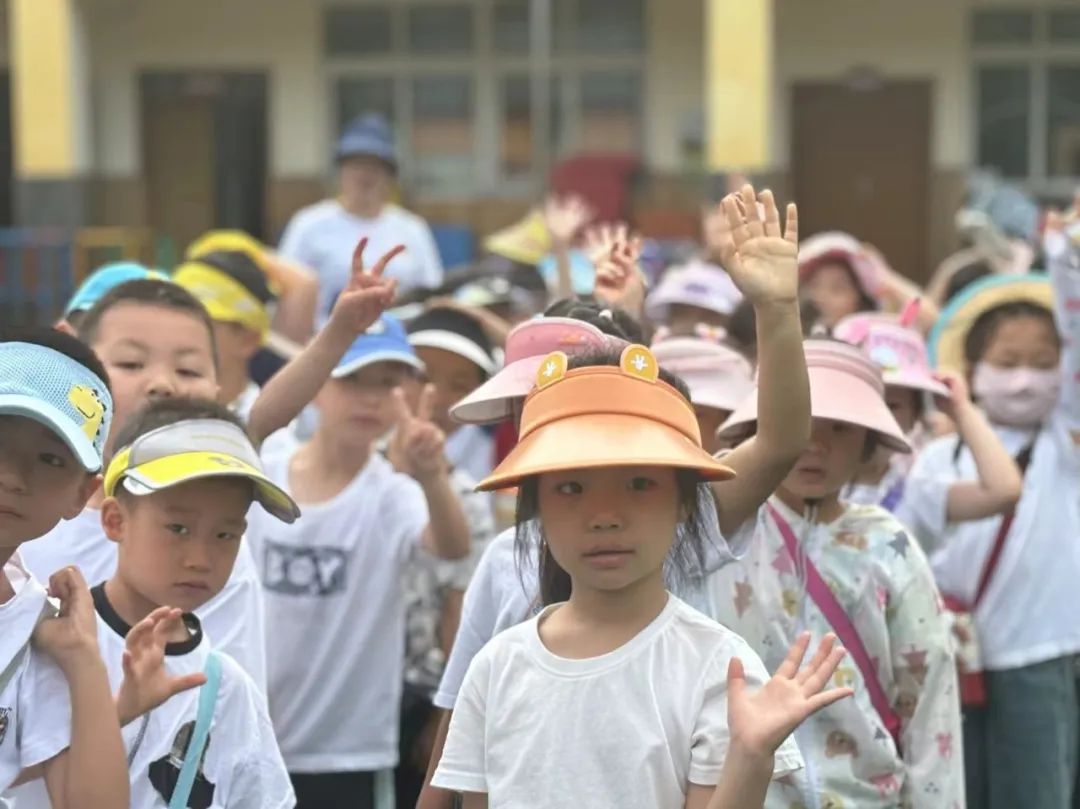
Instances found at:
x=163 y=412
x=612 y=322
x=241 y=268
x=965 y=276
x=149 y=292
x=986 y=325
x=59 y=341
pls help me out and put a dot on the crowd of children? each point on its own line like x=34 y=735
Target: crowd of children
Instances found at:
x=779 y=531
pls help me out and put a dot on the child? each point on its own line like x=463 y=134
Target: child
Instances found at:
x=238 y=298
x=763 y=264
x=99 y=283
x=691 y=294
x=608 y=467
x=178 y=492
x=457 y=357
x=719 y=378
x=56 y=709
x=339 y=568
x=156 y=342
x=1015 y=338
x=897 y=743
x=900 y=352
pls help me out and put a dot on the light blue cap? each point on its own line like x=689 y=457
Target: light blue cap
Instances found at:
x=368 y=134
x=384 y=341
x=582 y=272
x=103 y=279
x=42 y=384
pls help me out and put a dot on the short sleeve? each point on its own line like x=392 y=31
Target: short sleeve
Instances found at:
x=293 y=244
x=44 y=721
x=711 y=736
x=431 y=275
x=462 y=766
x=259 y=777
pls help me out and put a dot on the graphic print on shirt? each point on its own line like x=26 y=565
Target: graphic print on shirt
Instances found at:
x=317 y=570
x=5 y=720
x=165 y=772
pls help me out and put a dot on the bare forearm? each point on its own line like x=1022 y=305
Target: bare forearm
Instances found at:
x=783 y=418
x=448 y=532
x=97 y=776
x=290 y=389
x=432 y=797
x=999 y=484
x=565 y=288
x=743 y=782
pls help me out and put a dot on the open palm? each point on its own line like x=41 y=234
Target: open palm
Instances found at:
x=760 y=721
x=760 y=257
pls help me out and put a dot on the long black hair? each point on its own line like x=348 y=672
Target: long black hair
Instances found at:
x=687 y=555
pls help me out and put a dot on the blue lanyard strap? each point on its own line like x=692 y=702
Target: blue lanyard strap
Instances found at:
x=197 y=743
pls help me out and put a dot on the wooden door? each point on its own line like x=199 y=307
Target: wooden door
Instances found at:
x=179 y=147
x=861 y=163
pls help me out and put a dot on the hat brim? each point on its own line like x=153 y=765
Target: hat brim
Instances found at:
x=455 y=343
x=947 y=338
x=65 y=429
x=834 y=396
x=595 y=440
x=355 y=365
x=172 y=470
x=717 y=393
x=494 y=400
x=917 y=382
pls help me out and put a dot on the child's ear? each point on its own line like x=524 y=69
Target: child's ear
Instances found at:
x=252 y=342
x=82 y=497
x=113 y=519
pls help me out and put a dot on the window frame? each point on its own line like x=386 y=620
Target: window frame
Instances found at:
x=487 y=67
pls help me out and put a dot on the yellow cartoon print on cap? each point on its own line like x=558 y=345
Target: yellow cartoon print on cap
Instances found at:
x=552 y=369
x=90 y=407
x=638 y=361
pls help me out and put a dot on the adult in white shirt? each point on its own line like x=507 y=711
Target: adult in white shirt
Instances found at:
x=323 y=236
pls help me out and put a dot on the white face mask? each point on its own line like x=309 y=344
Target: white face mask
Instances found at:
x=1016 y=397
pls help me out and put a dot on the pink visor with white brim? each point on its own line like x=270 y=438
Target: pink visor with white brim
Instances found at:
x=899 y=350
x=526 y=347
x=845 y=385
x=694 y=284
x=718 y=376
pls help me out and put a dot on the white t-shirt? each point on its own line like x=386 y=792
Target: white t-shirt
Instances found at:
x=335 y=615
x=241 y=766
x=630 y=728
x=323 y=236
x=505 y=590
x=472 y=449
x=35 y=705
x=243 y=403
x=1028 y=613
x=233 y=619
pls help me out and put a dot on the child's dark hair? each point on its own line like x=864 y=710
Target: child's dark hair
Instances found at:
x=150 y=292
x=163 y=412
x=965 y=276
x=58 y=341
x=612 y=322
x=687 y=554
x=985 y=327
x=241 y=268
x=742 y=326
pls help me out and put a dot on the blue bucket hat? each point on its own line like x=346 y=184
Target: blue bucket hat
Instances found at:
x=42 y=384
x=368 y=134
x=384 y=341
x=103 y=279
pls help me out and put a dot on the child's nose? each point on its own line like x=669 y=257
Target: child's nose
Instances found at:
x=162 y=385
x=197 y=556
x=605 y=521
x=12 y=474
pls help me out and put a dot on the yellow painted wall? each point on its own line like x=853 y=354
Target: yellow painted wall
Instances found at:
x=674 y=79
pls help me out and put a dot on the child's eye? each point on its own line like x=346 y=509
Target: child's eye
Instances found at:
x=190 y=373
x=640 y=484
x=177 y=528
x=129 y=366
x=54 y=461
x=569 y=487
x=228 y=535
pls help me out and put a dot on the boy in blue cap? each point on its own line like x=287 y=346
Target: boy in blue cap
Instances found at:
x=99 y=282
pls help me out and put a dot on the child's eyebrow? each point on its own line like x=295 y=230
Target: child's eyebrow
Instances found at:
x=181 y=352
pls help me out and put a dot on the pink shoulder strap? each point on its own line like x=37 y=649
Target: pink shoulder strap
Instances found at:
x=845 y=630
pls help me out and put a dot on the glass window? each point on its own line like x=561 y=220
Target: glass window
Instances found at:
x=441 y=29
x=1063 y=104
x=603 y=26
x=512 y=26
x=517 y=150
x=1004 y=105
x=610 y=111
x=1002 y=27
x=442 y=131
x=1064 y=26
x=355 y=96
x=357 y=31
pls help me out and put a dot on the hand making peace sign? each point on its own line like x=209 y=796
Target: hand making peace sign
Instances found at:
x=367 y=295
x=417 y=447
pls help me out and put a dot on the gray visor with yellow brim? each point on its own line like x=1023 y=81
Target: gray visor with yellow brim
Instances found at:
x=193 y=450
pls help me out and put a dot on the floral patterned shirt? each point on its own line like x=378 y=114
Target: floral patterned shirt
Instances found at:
x=883 y=582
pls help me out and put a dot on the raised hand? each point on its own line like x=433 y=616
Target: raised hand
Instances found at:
x=71 y=637
x=615 y=254
x=761 y=258
x=367 y=295
x=417 y=448
x=759 y=722
x=959 y=394
x=564 y=217
x=147 y=684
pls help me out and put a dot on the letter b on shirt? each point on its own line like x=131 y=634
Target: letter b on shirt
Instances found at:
x=306 y=571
